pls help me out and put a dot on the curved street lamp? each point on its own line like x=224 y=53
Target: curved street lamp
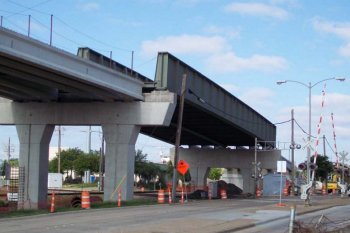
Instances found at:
x=309 y=86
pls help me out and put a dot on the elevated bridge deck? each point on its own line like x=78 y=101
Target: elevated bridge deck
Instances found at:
x=212 y=115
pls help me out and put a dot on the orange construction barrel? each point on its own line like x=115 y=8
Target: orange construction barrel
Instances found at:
x=85 y=200
x=258 y=192
x=285 y=191
x=223 y=194
x=160 y=196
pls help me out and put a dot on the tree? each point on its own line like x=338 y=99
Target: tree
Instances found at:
x=324 y=167
x=170 y=170
x=215 y=173
x=86 y=162
x=140 y=160
x=3 y=168
x=67 y=160
x=53 y=165
x=14 y=162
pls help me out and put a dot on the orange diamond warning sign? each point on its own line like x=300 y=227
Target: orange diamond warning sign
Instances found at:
x=182 y=167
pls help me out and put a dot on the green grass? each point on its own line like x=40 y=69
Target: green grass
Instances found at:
x=89 y=185
x=136 y=202
x=22 y=213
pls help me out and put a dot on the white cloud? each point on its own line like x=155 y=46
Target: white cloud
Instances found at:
x=341 y=30
x=217 y=51
x=229 y=62
x=345 y=50
x=185 y=44
x=257 y=9
x=229 y=87
x=89 y=6
x=258 y=98
x=228 y=32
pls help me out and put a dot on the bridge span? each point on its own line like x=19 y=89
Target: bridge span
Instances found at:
x=44 y=86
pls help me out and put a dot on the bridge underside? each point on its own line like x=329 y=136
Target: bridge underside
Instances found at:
x=201 y=128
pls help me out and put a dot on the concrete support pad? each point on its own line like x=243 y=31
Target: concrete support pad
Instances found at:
x=120 y=160
x=34 y=157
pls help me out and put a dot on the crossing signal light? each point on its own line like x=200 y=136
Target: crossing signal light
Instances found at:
x=302 y=166
x=313 y=166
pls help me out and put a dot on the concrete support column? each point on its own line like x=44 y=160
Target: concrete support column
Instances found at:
x=34 y=157
x=199 y=175
x=248 y=181
x=119 y=160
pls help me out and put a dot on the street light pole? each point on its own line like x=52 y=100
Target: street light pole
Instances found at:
x=309 y=86
x=309 y=139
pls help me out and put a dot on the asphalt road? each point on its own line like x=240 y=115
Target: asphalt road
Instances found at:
x=330 y=219
x=243 y=215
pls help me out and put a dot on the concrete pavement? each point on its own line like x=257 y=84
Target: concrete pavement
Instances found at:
x=230 y=215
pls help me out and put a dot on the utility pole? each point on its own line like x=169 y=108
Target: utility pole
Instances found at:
x=255 y=166
x=59 y=150
x=343 y=155
x=178 y=135
x=8 y=150
x=292 y=148
x=100 y=173
x=89 y=143
x=324 y=154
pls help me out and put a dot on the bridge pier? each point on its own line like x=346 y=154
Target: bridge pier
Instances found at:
x=201 y=159
x=34 y=157
x=121 y=123
x=120 y=160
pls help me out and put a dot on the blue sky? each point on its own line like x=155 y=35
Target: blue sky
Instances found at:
x=244 y=46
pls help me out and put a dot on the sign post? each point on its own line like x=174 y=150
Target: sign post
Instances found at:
x=281 y=167
x=182 y=168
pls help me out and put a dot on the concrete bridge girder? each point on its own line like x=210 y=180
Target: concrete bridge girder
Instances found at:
x=121 y=124
x=202 y=159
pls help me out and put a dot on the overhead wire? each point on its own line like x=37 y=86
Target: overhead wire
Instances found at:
x=28 y=8
x=90 y=37
x=303 y=129
x=282 y=122
x=32 y=8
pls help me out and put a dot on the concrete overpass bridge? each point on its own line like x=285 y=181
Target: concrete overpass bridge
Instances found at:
x=45 y=86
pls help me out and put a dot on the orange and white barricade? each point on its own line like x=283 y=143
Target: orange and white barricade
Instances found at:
x=160 y=196
x=85 y=200
x=223 y=194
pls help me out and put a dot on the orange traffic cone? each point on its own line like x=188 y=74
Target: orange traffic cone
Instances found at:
x=170 y=200
x=182 y=196
x=119 y=198
x=52 y=210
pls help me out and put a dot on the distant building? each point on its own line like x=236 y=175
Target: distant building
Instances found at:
x=164 y=159
x=53 y=152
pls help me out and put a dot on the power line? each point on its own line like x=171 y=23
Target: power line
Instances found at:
x=303 y=129
x=330 y=147
x=90 y=37
x=283 y=122
x=28 y=8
